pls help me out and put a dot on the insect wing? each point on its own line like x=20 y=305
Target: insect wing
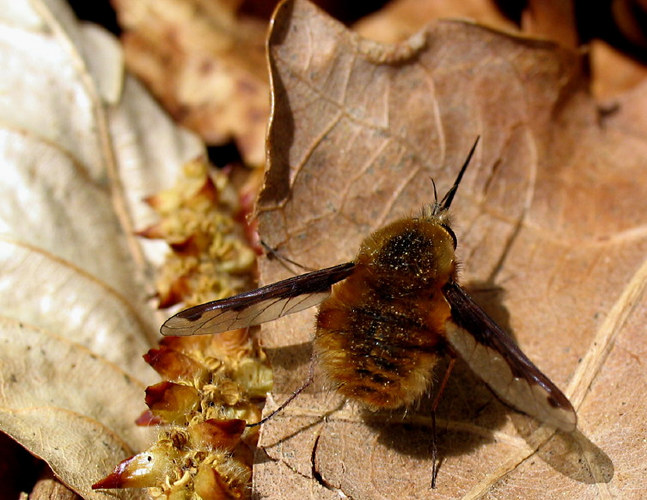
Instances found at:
x=495 y=358
x=258 y=306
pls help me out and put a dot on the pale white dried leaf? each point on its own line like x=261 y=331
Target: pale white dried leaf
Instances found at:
x=49 y=202
x=54 y=295
x=100 y=48
x=81 y=146
x=149 y=147
x=53 y=391
x=60 y=108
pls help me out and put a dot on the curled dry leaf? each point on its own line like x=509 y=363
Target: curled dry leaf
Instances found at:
x=552 y=20
x=81 y=145
x=613 y=73
x=550 y=211
x=399 y=19
x=205 y=62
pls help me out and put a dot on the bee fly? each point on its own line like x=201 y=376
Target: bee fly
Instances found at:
x=386 y=318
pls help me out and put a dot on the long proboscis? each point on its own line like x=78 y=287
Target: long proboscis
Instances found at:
x=449 y=196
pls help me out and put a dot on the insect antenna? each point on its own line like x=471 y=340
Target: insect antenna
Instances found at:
x=272 y=253
x=308 y=381
x=449 y=197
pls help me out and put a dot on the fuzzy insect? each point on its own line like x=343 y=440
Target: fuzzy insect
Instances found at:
x=386 y=319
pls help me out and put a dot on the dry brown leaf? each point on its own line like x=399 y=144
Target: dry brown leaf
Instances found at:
x=629 y=17
x=554 y=20
x=552 y=212
x=612 y=72
x=205 y=62
x=400 y=19
x=48 y=487
x=55 y=400
x=81 y=146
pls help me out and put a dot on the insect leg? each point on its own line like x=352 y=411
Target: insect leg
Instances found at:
x=434 y=407
x=307 y=382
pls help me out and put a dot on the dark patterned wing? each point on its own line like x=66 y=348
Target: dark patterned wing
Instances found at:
x=258 y=306
x=496 y=359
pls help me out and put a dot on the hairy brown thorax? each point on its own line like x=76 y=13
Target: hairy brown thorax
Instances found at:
x=378 y=334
